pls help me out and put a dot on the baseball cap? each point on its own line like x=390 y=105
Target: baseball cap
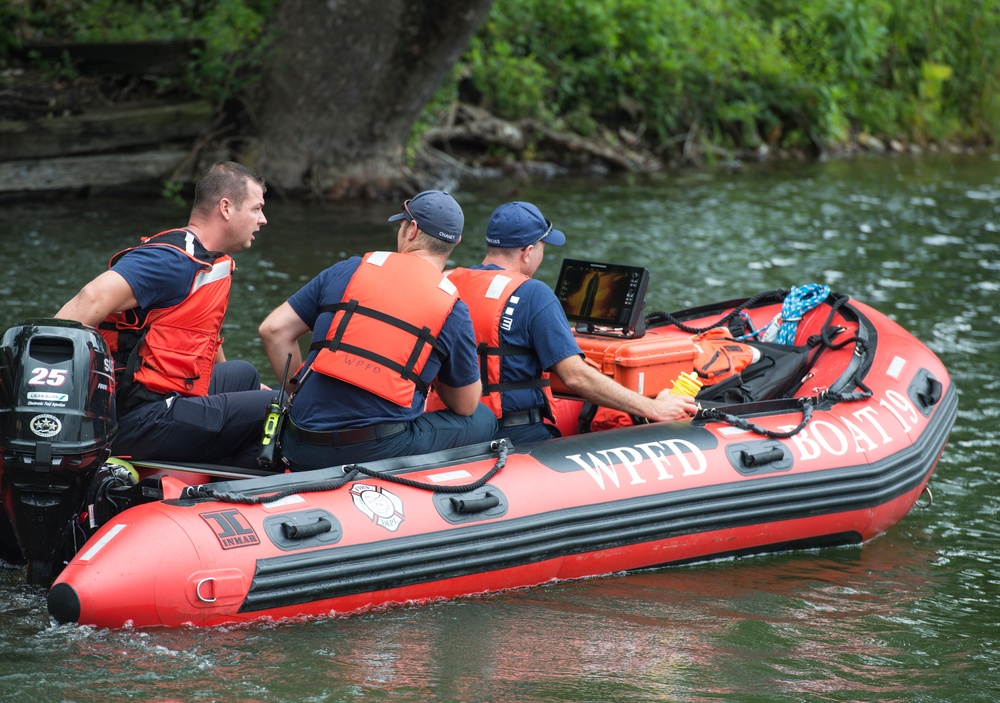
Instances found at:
x=436 y=213
x=519 y=224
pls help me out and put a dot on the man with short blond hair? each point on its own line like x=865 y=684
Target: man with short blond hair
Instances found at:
x=160 y=307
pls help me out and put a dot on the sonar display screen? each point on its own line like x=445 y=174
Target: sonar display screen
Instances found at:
x=605 y=295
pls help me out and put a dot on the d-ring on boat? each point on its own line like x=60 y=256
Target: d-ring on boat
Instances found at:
x=828 y=436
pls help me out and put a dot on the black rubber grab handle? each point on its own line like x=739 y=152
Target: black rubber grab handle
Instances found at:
x=474 y=505
x=932 y=395
x=293 y=531
x=761 y=458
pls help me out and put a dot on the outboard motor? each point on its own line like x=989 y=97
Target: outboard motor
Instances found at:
x=57 y=422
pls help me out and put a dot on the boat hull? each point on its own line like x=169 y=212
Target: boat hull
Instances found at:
x=576 y=507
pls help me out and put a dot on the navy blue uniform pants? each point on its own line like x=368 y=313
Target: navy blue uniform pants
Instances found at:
x=223 y=427
x=431 y=432
x=526 y=434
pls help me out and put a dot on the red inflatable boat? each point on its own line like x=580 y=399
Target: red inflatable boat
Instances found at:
x=827 y=438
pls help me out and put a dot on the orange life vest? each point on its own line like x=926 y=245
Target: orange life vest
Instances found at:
x=720 y=356
x=386 y=325
x=487 y=292
x=173 y=349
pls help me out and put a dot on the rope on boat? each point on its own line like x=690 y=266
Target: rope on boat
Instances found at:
x=799 y=301
x=206 y=491
x=502 y=450
x=660 y=316
x=351 y=472
x=807 y=404
x=829 y=330
x=736 y=421
x=795 y=303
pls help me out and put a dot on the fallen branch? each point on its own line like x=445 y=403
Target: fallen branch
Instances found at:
x=470 y=125
x=574 y=143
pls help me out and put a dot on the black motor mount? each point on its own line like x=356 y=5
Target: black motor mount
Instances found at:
x=57 y=422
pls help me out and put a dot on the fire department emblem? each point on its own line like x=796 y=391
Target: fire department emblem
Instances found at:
x=382 y=507
x=45 y=425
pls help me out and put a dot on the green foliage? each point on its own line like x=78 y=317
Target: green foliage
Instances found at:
x=10 y=15
x=172 y=191
x=962 y=35
x=742 y=72
x=233 y=32
x=518 y=83
x=737 y=73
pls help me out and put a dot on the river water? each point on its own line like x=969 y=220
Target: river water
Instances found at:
x=912 y=615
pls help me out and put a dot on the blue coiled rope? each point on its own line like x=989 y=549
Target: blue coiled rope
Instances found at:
x=800 y=300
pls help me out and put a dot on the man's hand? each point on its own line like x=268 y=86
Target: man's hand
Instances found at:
x=670 y=407
x=592 y=385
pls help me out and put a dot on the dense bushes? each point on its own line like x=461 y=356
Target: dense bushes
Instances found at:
x=741 y=73
x=665 y=74
x=233 y=32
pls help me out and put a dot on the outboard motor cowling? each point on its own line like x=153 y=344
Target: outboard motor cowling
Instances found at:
x=57 y=422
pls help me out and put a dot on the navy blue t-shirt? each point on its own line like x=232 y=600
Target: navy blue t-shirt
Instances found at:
x=160 y=277
x=534 y=318
x=324 y=403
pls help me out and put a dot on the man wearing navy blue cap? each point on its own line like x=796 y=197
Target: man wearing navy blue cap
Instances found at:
x=522 y=332
x=384 y=327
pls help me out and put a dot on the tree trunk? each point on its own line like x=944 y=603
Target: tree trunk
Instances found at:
x=345 y=86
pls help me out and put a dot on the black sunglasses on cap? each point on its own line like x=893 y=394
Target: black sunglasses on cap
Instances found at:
x=548 y=228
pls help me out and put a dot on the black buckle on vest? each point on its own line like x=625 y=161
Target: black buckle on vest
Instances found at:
x=521 y=417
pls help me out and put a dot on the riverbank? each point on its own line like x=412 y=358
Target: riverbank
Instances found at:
x=474 y=143
x=107 y=131
x=107 y=124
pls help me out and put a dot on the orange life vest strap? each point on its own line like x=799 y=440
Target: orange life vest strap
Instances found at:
x=352 y=307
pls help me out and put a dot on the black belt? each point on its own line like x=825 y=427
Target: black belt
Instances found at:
x=335 y=438
x=522 y=417
x=138 y=395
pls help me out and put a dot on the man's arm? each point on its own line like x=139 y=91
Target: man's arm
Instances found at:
x=461 y=363
x=552 y=339
x=106 y=294
x=280 y=332
x=462 y=400
x=592 y=385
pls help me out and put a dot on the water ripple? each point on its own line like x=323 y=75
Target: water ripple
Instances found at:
x=909 y=616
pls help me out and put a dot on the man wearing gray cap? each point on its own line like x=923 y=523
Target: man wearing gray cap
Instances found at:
x=522 y=332
x=384 y=326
